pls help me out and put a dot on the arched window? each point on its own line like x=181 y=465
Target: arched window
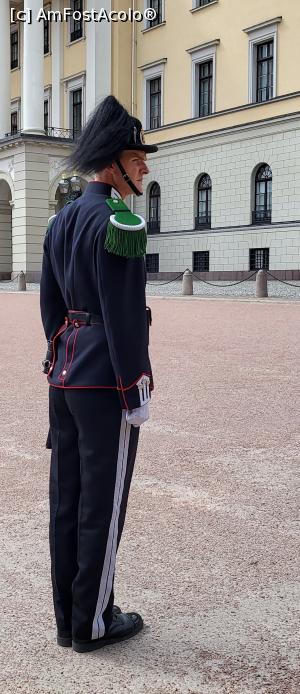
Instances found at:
x=153 y=226
x=203 y=218
x=263 y=196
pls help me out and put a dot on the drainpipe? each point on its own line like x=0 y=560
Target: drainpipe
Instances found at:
x=133 y=62
x=133 y=77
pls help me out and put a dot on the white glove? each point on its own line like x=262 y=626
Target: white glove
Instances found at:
x=138 y=416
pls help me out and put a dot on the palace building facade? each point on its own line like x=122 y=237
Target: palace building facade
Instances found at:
x=53 y=74
x=216 y=84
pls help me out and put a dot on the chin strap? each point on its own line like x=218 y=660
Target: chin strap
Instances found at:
x=127 y=178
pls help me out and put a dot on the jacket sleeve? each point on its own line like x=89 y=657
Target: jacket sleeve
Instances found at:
x=121 y=283
x=52 y=305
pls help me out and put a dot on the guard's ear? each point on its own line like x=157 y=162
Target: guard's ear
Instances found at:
x=113 y=168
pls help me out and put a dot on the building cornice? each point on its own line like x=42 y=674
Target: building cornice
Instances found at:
x=65 y=80
x=248 y=127
x=41 y=140
x=154 y=63
x=263 y=25
x=203 y=46
x=227 y=230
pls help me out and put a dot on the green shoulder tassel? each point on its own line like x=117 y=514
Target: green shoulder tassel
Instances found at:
x=126 y=234
x=130 y=244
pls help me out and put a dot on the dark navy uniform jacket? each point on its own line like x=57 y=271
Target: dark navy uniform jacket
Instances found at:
x=79 y=274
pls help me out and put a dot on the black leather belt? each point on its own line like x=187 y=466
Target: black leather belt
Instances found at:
x=78 y=318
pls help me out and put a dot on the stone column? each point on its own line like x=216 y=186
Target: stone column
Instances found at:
x=5 y=67
x=33 y=73
x=57 y=57
x=98 y=57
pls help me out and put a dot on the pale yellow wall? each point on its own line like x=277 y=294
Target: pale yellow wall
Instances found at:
x=15 y=83
x=73 y=54
x=47 y=70
x=224 y=20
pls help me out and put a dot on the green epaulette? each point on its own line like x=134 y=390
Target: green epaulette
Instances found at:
x=126 y=233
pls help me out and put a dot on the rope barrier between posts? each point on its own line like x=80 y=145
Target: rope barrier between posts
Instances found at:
x=296 y=286
x=232 y=284
x=159 y=284
x=223 y=286
x=10 y=281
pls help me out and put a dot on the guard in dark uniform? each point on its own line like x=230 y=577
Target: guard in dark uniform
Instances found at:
x=95 y=319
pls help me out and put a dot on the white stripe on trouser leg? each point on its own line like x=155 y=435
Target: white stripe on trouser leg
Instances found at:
x=111 y=546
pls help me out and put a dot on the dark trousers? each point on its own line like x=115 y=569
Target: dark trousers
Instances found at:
x=93 y=454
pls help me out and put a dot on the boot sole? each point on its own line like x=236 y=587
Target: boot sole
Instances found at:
x=64 y=641
x=97 y=644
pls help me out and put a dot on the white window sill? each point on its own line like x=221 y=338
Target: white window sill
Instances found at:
x=203 y=7
x=72 y=43
x=156 y=26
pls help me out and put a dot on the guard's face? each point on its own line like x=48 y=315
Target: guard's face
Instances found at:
x=134 y=162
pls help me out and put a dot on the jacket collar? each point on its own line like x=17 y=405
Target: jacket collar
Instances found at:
x=97 y=188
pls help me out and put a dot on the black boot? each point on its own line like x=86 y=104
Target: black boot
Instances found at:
x=64 y=638
x=124 y=626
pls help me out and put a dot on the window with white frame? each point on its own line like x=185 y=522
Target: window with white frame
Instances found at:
x=76 y=111
x=263 y=40
x=47 y=110
x=202 y=3
x=204 y=73
x=76 y=21
x=153 y=96
x=47 y=29
x=204 y=189
x=14 y=122
x=15 y=113
x=76 y=104
x=14 y=48
x=46 y=115
x=204 y=79
x=159 y=7
x=153 y=225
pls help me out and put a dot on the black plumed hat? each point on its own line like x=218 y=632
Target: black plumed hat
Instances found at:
x=109 y=131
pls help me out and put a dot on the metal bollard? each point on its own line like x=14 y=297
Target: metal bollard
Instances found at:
x=21 y=282
x=187 y=283
x=261 y=285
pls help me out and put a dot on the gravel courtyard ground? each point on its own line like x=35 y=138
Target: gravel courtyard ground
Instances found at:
x=209 y=551
x=244 y=289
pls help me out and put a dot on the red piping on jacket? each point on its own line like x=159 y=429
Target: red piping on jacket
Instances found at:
x=60 y=377
x=144 y=373
x=118 y=388
x=62 y=329
x=54 y=385
x=72 y=356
